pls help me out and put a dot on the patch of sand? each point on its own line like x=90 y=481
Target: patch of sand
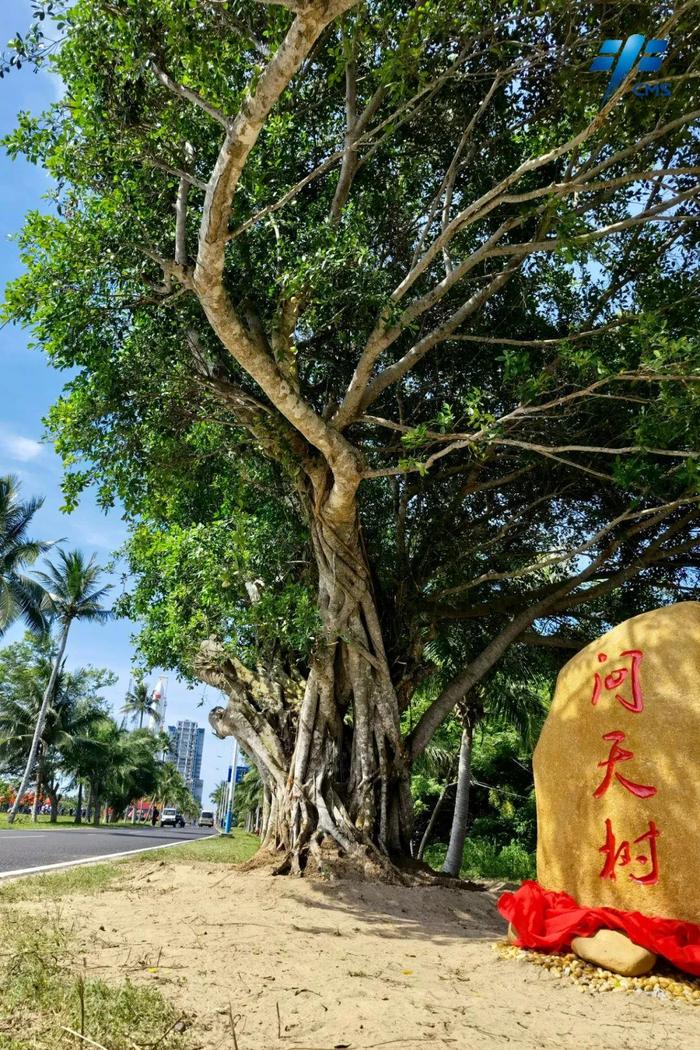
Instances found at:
x=316 y=965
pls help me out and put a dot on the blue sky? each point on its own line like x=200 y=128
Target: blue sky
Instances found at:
x=28 y=386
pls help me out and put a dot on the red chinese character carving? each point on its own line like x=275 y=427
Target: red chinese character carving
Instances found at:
x=623 y=855
x=620 y=754
x=615 y=678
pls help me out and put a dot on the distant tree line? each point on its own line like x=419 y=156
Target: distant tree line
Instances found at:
x=56 y=730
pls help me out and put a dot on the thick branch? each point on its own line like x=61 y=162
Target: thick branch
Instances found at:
x=555 y=600
x=561 y=557
x=248 y=346
x=570 y=337
x=351 y=159
x=242 y=134
x=181 y=212
x=256 y=702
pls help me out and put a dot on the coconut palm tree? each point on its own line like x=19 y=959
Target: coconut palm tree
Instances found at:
x=98 y=759
x=439 y=763
x=513 y=695
x=139 y=703
x=249 y=798
x=71 y=592
x=170 y=789
x=18 y=715
x=70 y=723
x=132 y=768
x=159 y=742
x=88 y=760
x=20 y=596
x=518 y=703
x=470 y=714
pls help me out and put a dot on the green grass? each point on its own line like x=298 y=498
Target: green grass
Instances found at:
x=44 y=989
x=85 y=879
x=483 y=859
x=24 y=822
x=235 y=848
x=42 y=983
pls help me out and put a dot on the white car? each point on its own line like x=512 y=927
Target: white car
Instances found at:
x=170 y=816
x=206 y=819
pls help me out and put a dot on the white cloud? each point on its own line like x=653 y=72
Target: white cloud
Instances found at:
x=19 y=448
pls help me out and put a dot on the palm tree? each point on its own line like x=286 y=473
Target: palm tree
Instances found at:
x=132 y=768
x=249 y=798
x=20 y=596
x=517 y=703
x=171 y=787
x=171 y=790
x=87 y=760
x=139 y=702
x=470 y=714
x=159 y=742
x=70 y=723
x=71 y=592
x=439 y=763
x=96 y=759
x=514 y=695
x=18 y=715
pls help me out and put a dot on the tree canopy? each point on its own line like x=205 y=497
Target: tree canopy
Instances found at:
x=384 y=336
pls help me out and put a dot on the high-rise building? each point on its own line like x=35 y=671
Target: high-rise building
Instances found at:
x=186 y=748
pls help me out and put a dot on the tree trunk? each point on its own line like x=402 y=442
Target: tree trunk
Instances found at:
x=453 y=860
x=52 y=790
x=37 y=792
x=336 y=770
x=437 y=809
x=96 y=807
x=79 y=809
x=40 y=722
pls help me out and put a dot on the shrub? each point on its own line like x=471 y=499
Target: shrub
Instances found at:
x=485 y=859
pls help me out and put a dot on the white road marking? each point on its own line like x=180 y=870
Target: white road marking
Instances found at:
x=25 y=834
x=97 y=860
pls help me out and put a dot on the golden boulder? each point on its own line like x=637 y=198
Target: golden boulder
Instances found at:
x=617 y=773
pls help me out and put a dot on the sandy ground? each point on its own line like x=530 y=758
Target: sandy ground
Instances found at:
x=316 y=965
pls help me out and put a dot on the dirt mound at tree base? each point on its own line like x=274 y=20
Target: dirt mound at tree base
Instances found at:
x=303 y=963
x=329 y=863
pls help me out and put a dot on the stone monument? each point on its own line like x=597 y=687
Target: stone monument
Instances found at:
x=617 y=770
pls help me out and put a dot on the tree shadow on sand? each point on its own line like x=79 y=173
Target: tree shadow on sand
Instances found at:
x=439 y=914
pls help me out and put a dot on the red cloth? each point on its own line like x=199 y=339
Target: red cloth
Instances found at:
x=550 y=920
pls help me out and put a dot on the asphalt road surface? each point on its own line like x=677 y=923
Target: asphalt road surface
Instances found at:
x=24 y=851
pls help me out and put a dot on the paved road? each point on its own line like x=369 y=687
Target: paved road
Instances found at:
x=22 y=850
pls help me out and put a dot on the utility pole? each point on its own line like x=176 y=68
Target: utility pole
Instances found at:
x=223 y=801
x=231 y=788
